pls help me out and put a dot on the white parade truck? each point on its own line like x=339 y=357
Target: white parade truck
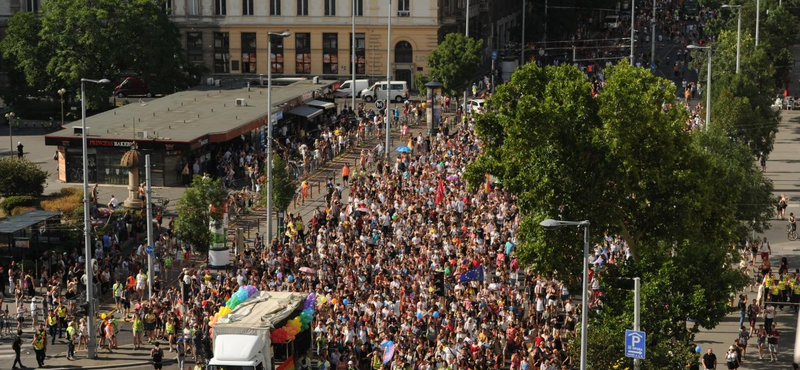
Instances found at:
x=242 y=338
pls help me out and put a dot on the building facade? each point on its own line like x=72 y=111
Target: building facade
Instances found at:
x=230 y=36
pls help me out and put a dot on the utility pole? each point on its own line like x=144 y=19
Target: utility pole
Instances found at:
x=467 y=19
x=522 y=55
x=636 y=316
x=150 y=242
x=633 y=26
x=353 y=65
x=653 y=37
x=388 y=80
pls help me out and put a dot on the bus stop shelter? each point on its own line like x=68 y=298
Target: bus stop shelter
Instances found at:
x=23 y=236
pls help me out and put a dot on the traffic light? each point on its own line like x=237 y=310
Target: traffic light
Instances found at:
x=438 y=283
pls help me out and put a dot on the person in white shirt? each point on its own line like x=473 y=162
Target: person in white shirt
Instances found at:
x=113 y=202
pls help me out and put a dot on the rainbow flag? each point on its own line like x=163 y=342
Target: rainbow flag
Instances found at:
x=287 y=365
x=488 y=184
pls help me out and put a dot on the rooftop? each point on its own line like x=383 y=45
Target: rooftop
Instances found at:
x=25 y=220
x=189 y=115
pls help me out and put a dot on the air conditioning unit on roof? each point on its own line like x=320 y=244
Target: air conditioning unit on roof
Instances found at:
x=241 y=102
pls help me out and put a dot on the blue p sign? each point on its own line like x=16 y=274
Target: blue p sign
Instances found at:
x=635 y=344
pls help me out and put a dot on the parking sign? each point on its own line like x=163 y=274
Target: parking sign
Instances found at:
x=634 y=344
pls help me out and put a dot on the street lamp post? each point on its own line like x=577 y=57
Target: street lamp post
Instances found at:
x=551 y=224
x=758 y=11
x=10 y=117
x=87 y=225
x=653 y=38
x=738 y=33
x=388 y=79
x=708 y=83
x=269 y=130
x=61 y=92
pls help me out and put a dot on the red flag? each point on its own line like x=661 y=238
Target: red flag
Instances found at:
x=440 y=192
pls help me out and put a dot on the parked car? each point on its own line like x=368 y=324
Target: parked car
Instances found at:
x=132 y=86
x=359 y=86
x=611 y=21
x=398 y=93
x=476 y=105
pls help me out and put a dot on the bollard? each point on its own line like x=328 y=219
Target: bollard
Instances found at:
x=248 y=229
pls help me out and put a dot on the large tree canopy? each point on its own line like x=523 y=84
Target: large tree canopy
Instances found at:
x=624 y=161
x=455 y=61
x=74 y=39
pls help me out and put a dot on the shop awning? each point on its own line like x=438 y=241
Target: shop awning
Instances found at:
x=321 y=104
x=306 y=111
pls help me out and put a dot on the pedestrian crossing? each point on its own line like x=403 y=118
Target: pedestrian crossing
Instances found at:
x=7 y=353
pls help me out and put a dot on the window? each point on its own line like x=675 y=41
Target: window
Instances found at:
x=330 y=7
x=193 y=7
x=247 y=7
x=167 y=5
x=275 y=8
x=248 y=52
x=220 y=7
x=359 y=4
x=276 y=59
x=361 y=62
x=194 y=46
x=302 y=47
x=402 y=8
x=403 y=52
x=330 y=53
x=33 y=6
x=302 y=7
x=221 y=52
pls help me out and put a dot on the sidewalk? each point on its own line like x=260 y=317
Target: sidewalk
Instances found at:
x=783 y=168
x=124 y=356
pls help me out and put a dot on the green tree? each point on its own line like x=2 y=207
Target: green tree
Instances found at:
x=72 y=39
x=199 y=205
x=21 y=177
x=455 y=62
x=283 y=185
x=675 y=197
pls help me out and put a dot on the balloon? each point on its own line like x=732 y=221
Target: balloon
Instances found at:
x=424 y=105
x=419 y=315
x=334 y=301
x=346 y=302
x=436 y=314
x=211 y=331
x=290 y=278
x=447 y=270
x=103 y=316
x=698 y=349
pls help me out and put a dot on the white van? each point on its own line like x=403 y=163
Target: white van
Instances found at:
x=359 y=85
x=398 y=93
x=611 y=21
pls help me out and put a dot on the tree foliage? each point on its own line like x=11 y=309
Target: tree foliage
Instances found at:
x=625 y=162
x=72 y=39
x=455 y=62
x=283 y=185
x=199 y=205
x=21 y=177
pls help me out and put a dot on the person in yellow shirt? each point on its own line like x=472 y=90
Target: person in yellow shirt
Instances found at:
x=52 y=326
x=61 y=312
x=40 y=345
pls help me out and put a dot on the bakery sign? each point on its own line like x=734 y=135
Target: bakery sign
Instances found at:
x=110 y=143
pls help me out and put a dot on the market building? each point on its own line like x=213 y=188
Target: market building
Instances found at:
x=182 y=127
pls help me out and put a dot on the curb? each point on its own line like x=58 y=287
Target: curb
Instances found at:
x=127 y=364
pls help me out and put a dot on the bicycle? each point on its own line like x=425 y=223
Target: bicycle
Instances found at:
x=792 y=235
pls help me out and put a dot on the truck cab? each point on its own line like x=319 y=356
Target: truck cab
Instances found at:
x=242 y=339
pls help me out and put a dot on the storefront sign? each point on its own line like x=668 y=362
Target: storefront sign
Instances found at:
x=22 y=243
x=110 y=143
x=199 y=143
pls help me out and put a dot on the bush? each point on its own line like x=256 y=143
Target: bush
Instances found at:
x=16 y=201
x=68 y=200
x=21 y=177
x=20 y=210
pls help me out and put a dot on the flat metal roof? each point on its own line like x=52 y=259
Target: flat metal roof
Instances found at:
x=189 y=115
x=25 y=220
